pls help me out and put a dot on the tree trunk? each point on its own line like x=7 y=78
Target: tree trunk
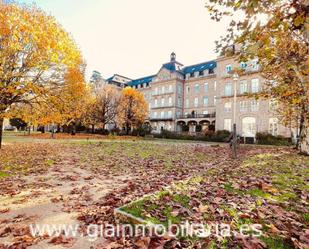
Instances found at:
x=92 y=129
x=304 y=137
x=1 y=129
x=73 y=133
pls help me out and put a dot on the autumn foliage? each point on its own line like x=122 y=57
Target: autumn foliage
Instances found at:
x=277 y=33
x=133 y=109
x=36 y=56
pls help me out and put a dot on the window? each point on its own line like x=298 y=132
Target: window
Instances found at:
x=243 y=65
x=205 y=101
x=163 y=89
x=169 y=114
x=197 y=88
x=228 y=106
x=255 y=65
x=273 y=104
x=196 y=102
x=179 y=101
x=187 y=76
x=156 y=103
x=243 y=106
x=155 y=114
x=179 y=87
x=192 y=75
x=215 y=85
x=187 y=89
x=170 y=101
x=162 y=102
x=243 y=87
x=227 y=124
x=162 y=114
x=205 y=112
x=248 y=127
x=206 y=87
x=255 y=85
x=187 y=103
x=254 y=105
x=215 y=100
x=273 y=126
x=156 y=91
x=228 y=68
x=228 y=89
x=201 y=73
x=211 y=71
x=170 y=88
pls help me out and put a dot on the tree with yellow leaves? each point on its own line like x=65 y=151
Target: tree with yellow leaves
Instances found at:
x=65 y=106
x=34 y=57
x=133 y=109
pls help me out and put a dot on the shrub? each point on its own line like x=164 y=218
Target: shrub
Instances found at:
x=142 y=131
x=105 y=132
x=268 y=139
x=218 y=136
x=210 y=136
x=115 y=131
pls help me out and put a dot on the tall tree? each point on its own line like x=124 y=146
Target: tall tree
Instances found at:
x=65 y=106
x=103 y=109
x=34 y=56
x=133 y=109
x=277 y=33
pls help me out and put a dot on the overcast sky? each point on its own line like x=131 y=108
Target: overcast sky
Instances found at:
x=135 y=37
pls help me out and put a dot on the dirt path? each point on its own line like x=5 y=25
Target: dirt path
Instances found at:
x=54 y=198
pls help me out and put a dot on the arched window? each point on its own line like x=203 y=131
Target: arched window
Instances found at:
x=248 y=127
x=273 y=126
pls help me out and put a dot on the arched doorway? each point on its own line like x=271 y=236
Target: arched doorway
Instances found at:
x=205 y=125
x=181 y=126
x=192 y=126
x=248 y=127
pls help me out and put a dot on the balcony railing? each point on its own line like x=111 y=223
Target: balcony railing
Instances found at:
x=161 y=118
x=210 y=115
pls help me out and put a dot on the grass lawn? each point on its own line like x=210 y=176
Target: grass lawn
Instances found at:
x=85 y=179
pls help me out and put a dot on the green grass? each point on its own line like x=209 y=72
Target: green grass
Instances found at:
x=276 y=243
x=306 y=217
x=3 y=174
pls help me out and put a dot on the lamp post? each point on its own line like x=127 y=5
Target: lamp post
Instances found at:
x=234 y=144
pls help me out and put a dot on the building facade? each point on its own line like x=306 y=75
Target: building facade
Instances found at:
x=200 y=97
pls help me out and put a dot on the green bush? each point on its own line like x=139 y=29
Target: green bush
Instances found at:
x=218 y=136
x=268 y=139
x=142 y=130
x=210 y=136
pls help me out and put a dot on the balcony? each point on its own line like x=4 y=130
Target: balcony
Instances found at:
x=188 y=116
x=161 y=119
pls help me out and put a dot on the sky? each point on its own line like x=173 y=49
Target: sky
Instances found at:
x=135 y=37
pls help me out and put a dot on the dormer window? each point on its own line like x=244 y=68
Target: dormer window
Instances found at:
x=201 y=73
x=243 y=65
x=211 y=71
x=228 y=68
x=192 y=75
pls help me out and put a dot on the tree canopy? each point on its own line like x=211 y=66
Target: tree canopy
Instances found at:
x=35 y=56
x=277 y=33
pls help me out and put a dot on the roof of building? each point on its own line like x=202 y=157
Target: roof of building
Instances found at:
x=112 y=77
x=171 y=66
x=200 y=67
x=143 y=80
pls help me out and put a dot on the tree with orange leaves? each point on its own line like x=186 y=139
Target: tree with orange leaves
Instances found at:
x=35 y=55
x=133 y=109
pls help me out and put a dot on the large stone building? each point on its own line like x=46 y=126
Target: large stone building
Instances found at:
x=201 y=95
